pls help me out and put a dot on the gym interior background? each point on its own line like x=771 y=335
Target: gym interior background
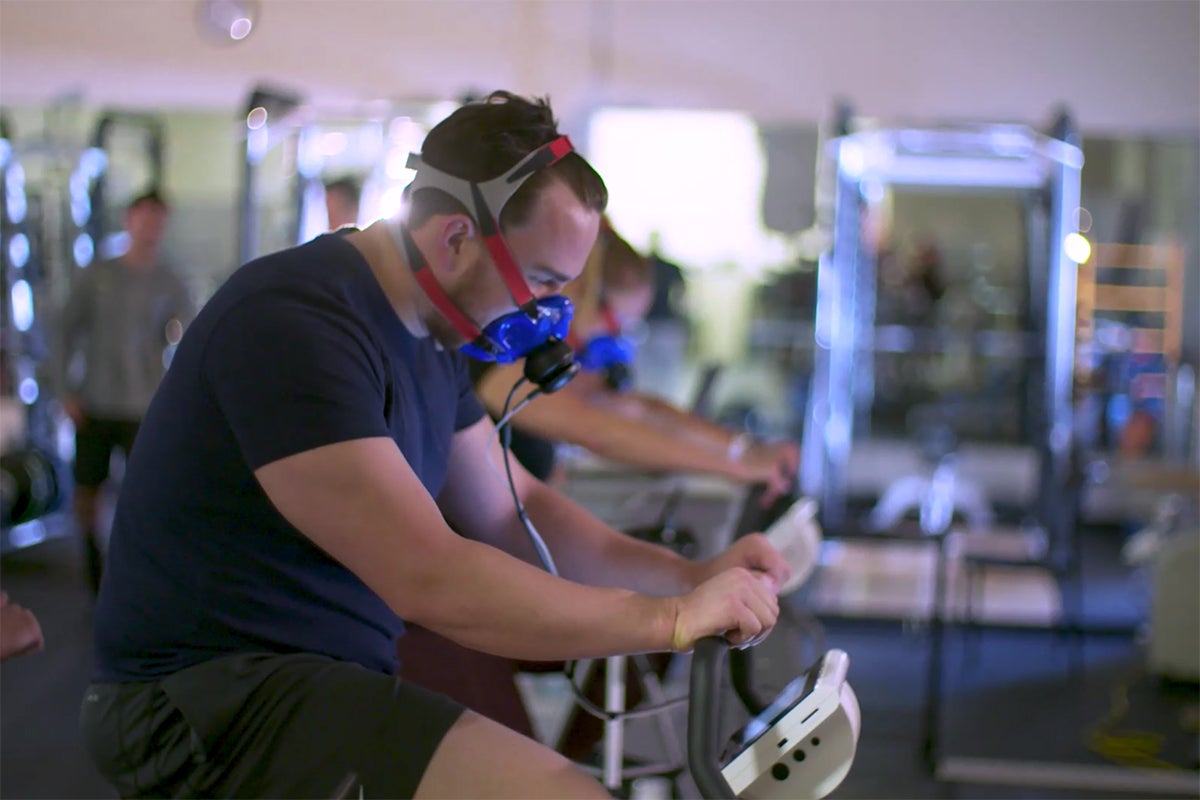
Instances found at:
x=1056 y=655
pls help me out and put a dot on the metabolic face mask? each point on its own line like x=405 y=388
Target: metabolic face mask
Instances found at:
x=536 y=331
x=610 y=353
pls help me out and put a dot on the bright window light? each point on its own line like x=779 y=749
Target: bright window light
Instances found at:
x=694 y=178
x=333 y=143
x=390 y=201
x=397 y=166
x=375 y=152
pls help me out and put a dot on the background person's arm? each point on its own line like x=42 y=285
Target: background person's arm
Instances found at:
x=72 y=329
x=783 y=457
x=565 y=417
x=656 y=411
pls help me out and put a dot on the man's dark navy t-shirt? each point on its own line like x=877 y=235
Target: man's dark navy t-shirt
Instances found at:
x=297 y=350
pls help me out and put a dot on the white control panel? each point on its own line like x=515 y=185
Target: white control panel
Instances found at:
x=797 y=536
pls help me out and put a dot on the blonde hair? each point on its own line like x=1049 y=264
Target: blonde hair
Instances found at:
x=612 y=265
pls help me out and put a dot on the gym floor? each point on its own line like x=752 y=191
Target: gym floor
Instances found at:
x=1010 y=694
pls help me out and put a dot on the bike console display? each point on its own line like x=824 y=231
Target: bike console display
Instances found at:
x=803 y=743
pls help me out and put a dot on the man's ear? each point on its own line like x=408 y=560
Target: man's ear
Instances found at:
x=455 y=233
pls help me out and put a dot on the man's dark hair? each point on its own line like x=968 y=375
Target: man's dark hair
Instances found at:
x=347 y=187
x=153 y=196
x=481 y=140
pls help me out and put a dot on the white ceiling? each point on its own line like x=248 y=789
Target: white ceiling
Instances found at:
x=1129 y=66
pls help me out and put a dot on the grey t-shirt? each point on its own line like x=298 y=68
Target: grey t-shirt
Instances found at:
x=120 y=319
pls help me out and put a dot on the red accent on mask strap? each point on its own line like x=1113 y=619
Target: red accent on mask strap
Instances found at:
x=509 y=271
x=610 y=320
x=560 y=147
x=442 y=302
x=433 y=290
x=546 y=155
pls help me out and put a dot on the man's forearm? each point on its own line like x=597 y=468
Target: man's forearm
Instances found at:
x=361 y=503
x=485 y=604
x=588 y=551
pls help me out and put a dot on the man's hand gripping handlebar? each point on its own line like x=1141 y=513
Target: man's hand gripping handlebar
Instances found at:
x=738 y=605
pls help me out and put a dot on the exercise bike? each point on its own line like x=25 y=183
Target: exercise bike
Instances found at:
x=801 y=746
x=798 y=744
x=803 y=742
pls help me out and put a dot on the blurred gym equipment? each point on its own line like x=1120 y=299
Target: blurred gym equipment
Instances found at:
x=127 y=150
x=291 y=151
x=42 y=249
x=33 y=478
x=1042 y=172
x=271 y=136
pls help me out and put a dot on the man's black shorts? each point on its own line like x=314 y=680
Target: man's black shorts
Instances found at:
x=94 y=443
x=266 y=725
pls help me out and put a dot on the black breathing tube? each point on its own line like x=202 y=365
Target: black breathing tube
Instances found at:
x=504 y=426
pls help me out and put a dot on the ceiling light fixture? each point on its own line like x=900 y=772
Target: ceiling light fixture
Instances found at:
x=226 y=21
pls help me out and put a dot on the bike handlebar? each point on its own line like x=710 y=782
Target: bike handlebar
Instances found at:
x=704 y=731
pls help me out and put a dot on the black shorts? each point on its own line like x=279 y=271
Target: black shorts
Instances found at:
x=266 y=725
x=94 y=443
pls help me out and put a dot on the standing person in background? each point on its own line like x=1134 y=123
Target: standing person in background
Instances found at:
x=342 y=199
x=120 y=323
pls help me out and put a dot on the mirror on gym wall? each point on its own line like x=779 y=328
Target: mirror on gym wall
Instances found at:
x=721 y=202
x=128 y=172
x=366 y=156
x=731 y=215
x=736 y=210
x=951 y=310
